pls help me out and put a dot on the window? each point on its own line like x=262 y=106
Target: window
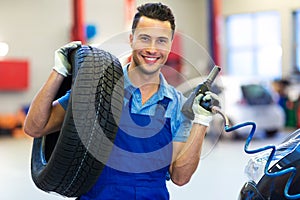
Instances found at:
x=253 y=44
x=296 y=17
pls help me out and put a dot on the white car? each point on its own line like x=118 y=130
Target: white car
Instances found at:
x=242 y=100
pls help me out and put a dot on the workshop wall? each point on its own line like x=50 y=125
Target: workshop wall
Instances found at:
x=34 y=29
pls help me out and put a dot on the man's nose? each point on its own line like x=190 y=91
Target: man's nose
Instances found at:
x=152 y=48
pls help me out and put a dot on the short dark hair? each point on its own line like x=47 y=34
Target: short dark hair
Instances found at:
x=154 y=11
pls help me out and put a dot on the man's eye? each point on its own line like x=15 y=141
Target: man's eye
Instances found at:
x=162 y=41
x=144 y=39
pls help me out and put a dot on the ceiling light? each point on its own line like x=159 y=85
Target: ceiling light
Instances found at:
x=3 y=49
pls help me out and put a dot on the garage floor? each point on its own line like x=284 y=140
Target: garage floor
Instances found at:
x=219 y=176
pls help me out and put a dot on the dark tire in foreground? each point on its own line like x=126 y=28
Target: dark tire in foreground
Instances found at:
x=69 y=162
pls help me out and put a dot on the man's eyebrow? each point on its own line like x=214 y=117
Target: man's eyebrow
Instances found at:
x=159 y=38
x=162 y=37
x=143 y=35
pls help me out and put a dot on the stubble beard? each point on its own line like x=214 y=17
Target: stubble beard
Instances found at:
x=143 y=68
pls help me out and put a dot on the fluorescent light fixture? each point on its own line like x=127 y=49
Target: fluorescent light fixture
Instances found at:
x=3 y=49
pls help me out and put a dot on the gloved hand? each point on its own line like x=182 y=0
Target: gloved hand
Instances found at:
x=203 y=116
x=61 y=63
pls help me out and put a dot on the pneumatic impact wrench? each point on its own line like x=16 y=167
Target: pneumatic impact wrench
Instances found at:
x=201 y=88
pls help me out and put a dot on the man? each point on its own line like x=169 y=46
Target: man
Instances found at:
x=149 y=102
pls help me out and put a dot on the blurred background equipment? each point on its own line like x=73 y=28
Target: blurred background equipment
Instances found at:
x=288 y=96
x=243 y=100
x=11 y=124
x=14 y=75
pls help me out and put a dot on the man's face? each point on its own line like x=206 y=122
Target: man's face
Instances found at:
x=151 y=43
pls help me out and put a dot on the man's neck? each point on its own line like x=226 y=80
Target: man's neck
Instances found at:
x=147 y=83
x=139 y=79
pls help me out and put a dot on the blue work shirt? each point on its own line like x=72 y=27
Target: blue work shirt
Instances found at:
x=180 y=125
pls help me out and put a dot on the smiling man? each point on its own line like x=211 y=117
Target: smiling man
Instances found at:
x=155 y=141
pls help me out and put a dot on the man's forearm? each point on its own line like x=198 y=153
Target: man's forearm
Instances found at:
x=40 y=108
x=187 y=160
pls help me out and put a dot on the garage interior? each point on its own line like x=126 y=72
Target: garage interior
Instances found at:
x=32 y=30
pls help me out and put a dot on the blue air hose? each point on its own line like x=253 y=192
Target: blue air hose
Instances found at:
x=291 y=170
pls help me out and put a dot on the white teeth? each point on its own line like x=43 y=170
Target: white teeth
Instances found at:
x=150 y=59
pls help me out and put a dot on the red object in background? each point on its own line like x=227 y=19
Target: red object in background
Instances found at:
x=130 y=9
x=216 y=15
x=173 y=69
x=78 y=30
x=14 y=75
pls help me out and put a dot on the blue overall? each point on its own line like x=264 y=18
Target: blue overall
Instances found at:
x=140 y=158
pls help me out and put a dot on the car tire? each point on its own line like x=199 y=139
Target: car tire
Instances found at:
x=69 y=162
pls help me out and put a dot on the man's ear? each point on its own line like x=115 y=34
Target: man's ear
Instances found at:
x=130 y=39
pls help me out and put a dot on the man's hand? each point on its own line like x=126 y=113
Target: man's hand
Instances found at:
x=62 y=65
x=202 y=115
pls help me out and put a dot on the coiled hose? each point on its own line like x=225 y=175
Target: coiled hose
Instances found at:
x=291 y=170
